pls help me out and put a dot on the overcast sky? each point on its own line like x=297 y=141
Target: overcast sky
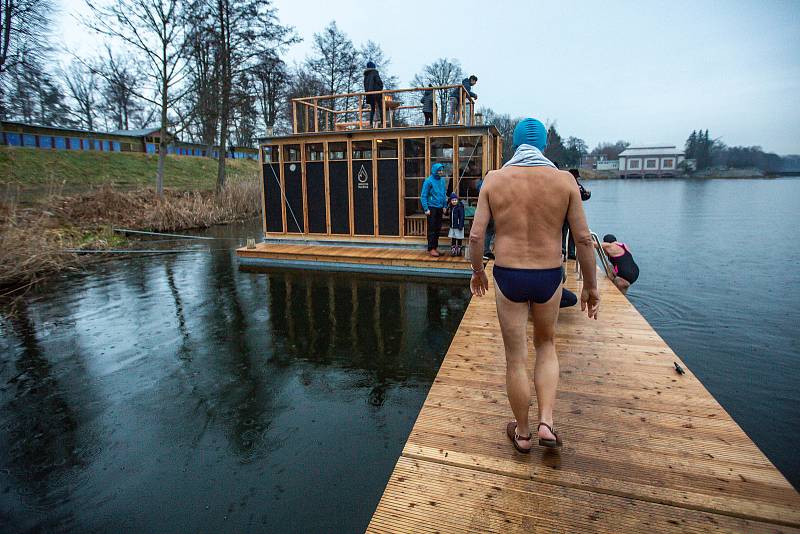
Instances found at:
x=646 y=72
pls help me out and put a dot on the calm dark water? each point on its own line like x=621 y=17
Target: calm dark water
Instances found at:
x=179 y=394
x=719 y=281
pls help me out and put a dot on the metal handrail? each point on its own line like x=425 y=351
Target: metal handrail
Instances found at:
x=598 y=248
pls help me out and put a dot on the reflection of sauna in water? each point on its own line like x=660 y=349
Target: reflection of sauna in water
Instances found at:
x=385 y=327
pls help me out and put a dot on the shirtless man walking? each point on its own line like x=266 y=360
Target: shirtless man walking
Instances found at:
x=529 y=198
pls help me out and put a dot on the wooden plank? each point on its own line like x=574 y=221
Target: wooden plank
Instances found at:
x=645 y=448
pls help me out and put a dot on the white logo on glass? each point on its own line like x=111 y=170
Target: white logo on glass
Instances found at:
x=362 y=178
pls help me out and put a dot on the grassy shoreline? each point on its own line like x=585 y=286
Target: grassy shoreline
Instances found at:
x=55 y=201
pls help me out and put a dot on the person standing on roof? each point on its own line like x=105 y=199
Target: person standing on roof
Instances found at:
x=455 y=97
x=373 y=82
x=427 y=105
x=433 y=198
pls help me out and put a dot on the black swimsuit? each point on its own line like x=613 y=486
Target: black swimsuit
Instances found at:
x=624 y=266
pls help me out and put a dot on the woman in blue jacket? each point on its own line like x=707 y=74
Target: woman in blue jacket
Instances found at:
x=433 y=198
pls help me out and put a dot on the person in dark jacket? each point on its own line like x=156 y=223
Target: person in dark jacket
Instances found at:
x=569 y=249
x=373 y=82
x=456 y=224
x=455 y=97
x=427 y=106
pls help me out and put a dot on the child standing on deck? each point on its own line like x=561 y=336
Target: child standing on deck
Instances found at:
x=456 y=224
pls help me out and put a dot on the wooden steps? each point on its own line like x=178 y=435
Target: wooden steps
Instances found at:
x=645 y=448
x=388 y=259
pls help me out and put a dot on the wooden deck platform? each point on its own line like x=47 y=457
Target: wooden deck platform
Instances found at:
x=374 y=258
x=645 y=449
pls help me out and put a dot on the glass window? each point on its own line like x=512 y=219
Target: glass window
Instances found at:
x=45 y=141
x=668 y=163
x=442 y=152
x=414 y=167
x=650 y=164
x=13 y=139
x=270 y=154
x=60 y=143
x=28 y=140
x=415 y=172
x=470 y=168
x=387 y=148
x=314 y=152
x=362 y=149
x=337 y=150
x=291 y=152
x=414 y=148
x=634 y=164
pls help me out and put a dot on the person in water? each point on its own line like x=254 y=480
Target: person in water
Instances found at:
x=625 y=269
x=433 y=198
x=456 y=234
x=529 y=199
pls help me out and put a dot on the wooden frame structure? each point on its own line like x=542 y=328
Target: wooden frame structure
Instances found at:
x=363 y=185
x=315 y=114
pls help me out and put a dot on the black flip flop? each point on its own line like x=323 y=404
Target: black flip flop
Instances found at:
x=511 y=432
x=549 y=443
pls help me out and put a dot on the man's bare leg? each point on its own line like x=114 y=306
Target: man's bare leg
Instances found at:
x=545 y=372
x=513 y=317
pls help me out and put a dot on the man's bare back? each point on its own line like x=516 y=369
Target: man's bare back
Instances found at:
x=529 y=206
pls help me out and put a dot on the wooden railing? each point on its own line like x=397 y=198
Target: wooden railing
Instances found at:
x=397 y=108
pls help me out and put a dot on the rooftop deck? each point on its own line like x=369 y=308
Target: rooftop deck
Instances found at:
x=644 y=447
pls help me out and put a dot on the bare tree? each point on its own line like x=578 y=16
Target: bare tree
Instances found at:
x=372 y=51
x=271 y=80
x=34 y=97
x=82 y=86
x=24 y=30
x=443 y=71
x=240 y=31
x=121 y=76
x=301 y=83
x=154 y=29
x=505 y=125
x=334 y=62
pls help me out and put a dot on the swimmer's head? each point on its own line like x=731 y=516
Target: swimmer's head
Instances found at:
x=609 y=238
x=530 y=132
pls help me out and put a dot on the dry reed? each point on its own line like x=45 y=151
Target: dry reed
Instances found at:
x=33 y=239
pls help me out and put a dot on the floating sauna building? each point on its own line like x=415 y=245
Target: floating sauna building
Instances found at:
x=340 y=180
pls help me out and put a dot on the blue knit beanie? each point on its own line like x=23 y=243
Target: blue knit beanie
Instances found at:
x=530 y=132
x=370 y=65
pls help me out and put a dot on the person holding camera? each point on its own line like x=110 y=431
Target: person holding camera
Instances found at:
x=569 y=249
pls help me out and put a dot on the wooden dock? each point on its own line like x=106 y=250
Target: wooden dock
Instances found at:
x=373 y=258
x=645 y=449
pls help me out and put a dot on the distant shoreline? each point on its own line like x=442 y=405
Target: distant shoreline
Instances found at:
x=591 y=174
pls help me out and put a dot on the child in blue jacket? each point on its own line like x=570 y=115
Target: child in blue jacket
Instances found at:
x=456 y=224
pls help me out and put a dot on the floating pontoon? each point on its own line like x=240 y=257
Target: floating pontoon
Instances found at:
x=343 y=193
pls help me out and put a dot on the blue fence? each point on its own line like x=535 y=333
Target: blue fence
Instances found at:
x=105 y=145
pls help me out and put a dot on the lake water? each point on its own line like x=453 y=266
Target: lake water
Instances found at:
x=178 y=393
x=719 y=281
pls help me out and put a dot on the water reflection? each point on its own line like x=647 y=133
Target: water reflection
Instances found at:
x=244 y=398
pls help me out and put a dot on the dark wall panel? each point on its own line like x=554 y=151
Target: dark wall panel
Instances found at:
x=293 y=185
x=273 y=197
x=340 y=197
x=363 y=208
x=315 y=197
x=388 y=203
